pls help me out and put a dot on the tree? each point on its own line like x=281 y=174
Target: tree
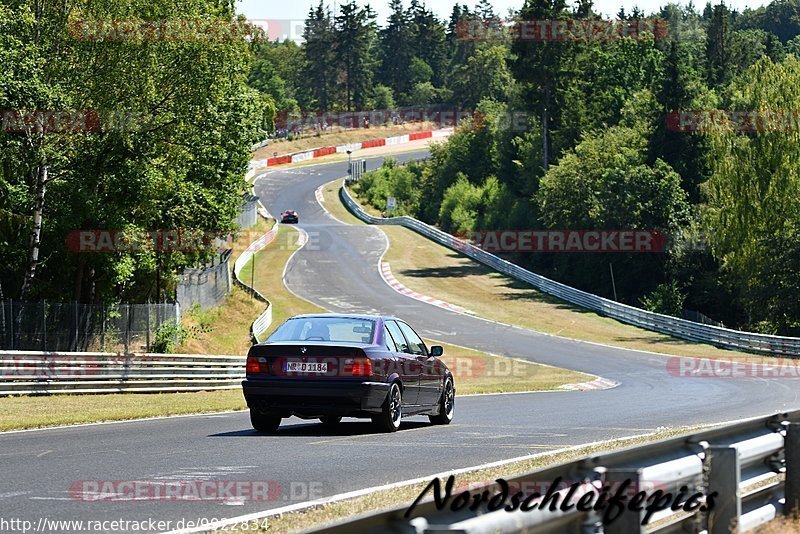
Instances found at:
x=606 y=184
x=603 y=81
x=754 y=194
x=718 y=47
x=680 y=88
x=20 y=183
x=169 y=154
x=384 y=98
x=286 y=61
x=395 y=50
x=355 y=42
x=419 y=72
x=780 y=17
x=538 y=66
x=320 y=58
x=459 y=47
x=485 y=75
x=430 y=40
x=264 y=78
x=485 y=10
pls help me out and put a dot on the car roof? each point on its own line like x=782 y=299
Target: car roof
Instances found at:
x=362 y=316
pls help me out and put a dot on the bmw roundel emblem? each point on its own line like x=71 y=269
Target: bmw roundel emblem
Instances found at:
x=303 y=350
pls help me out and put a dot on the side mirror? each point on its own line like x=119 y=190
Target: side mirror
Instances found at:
x=437 y=351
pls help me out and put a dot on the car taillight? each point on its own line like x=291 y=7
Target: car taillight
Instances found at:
x=257 y=365
x=357 y=367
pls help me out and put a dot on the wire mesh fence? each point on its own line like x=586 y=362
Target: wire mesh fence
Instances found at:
x=47 y=326
x=206 y=286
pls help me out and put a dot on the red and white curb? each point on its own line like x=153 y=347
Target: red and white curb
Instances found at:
x=259 y=165
x=600 y=383
x=388 y=277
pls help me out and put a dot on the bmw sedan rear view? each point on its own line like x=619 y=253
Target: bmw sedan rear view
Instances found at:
x=332 y=366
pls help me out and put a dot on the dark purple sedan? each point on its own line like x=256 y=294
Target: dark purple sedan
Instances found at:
x=331 y=366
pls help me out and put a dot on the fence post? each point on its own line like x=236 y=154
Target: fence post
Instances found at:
x=103 y=327
x=148 y=326
x=3 y=317
x=75 y=318
x=44 y=327
x=792 y=453
x=12 y=320
x=127 y=327
x=724 y=476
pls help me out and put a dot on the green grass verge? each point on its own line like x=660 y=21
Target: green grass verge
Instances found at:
x=18 y=413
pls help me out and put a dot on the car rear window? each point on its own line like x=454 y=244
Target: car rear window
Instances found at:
x=335 y=329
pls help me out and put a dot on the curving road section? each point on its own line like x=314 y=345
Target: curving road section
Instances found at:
x=338 y=270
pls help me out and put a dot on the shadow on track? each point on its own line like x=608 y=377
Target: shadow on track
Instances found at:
x=355 y=428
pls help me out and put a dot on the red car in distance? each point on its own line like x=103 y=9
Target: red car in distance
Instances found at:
x=289 y=217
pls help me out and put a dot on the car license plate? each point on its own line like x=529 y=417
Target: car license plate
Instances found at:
x=303 y=367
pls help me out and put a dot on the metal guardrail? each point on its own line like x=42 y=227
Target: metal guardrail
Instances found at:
x=47 y=373
x=665 y=324
x=264 y=320
x=753 y=466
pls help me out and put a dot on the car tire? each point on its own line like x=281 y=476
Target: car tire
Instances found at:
x=265 y=423
x=330 y=420
x=447 y=404
x=392 y=411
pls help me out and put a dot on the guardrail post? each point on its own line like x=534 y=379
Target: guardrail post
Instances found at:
x=628 y=521
x=792 y=484
x=724 y=476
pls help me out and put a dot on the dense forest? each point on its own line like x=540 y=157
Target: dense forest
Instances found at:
x=166 y=147
x=601 y=149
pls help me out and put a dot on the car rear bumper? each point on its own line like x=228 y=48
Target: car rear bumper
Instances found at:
x=315 y=398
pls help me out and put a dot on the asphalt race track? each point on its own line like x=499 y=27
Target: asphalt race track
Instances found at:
x=339 y=271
